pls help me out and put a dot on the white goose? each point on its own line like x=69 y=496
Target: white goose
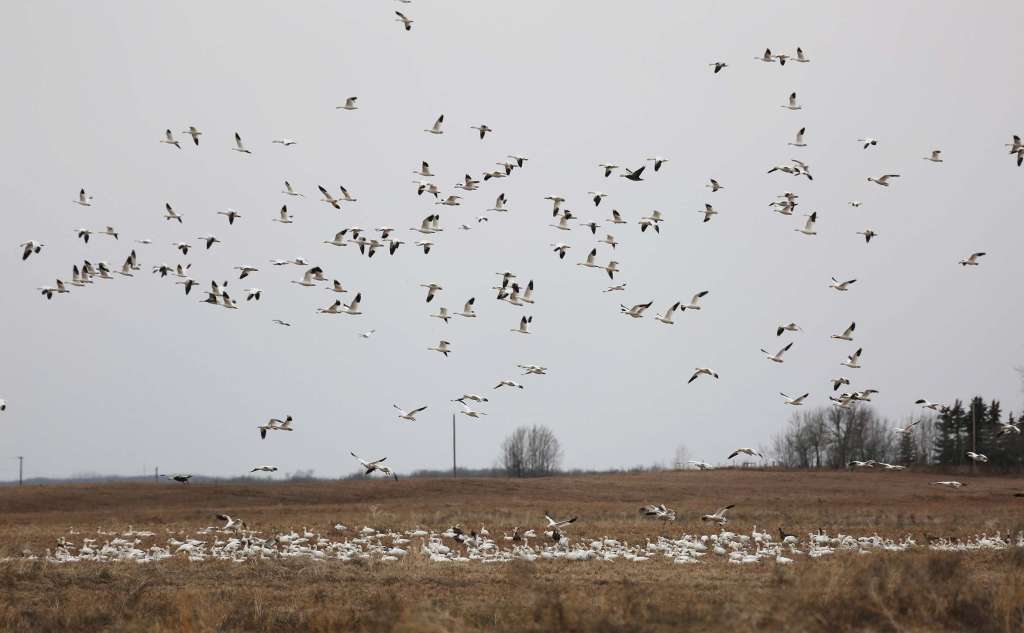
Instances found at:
x=467 y=310
x=239 y=146
x=792 y=105
x=482 y=129
x=499 y=204
x=309 y=277
x=702 y=371
x=853 y=360
x=718 y=516
x=283 y=218
x=83 y=199
x=169 y=139
x=841 y=286
x=708 y=212
x=436 y=128
x=442 y=313
x=935 y=157
x=636 y=311
x=442 y=347
x=350 y=104
x=171 y=214
x=407 y=23
x=808 y=228
x=972 y=260
x=799 y=140
x=949 y=484
x=694 y=301
x=589 y=262
x=977 y=457
x=409 y=415
x=789 y=327
x=432 y=289
x=471 y=413
x=353 y=308
x=847 y=334
x=868 y=234
x=287 y=142
x=524 y=324
x=746 y=451
x=883 y=180
x=797 y=401
x=194 y=133
x=666 y=318
x=868 y=141
x=30 y=247
x=508 y=383
x=616 y=218
x=777 y=357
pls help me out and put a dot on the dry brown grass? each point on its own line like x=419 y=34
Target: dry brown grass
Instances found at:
x=915 y=591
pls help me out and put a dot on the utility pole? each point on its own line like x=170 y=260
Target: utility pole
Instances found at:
x=455 y=471
x=21 y=462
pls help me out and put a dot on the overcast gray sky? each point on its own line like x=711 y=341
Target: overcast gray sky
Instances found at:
x=130 y=372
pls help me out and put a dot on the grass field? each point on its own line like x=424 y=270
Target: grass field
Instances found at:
x=918 y=590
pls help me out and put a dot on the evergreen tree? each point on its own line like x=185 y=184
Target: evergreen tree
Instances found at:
x=987 y=427
x=907 y=448
x=948 y=436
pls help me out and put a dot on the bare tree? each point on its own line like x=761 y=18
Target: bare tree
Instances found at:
x=680 y=456
x=531 y=452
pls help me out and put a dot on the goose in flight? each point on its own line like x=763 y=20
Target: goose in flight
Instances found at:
x=467 y=310
x=719 y=515
x=376 y=464
x=699 y=371
x=635 y=176
x=792 y=105
x=767 y=57
x=561 y=249
x=934 y=406
x=608 y=168
x=868 y=234
x=694 y=301
x=169 y=139
x=797 y=401
x=841 y=286
x=309 y=277
x=180 y=478
x=280 y=322
x=231 y=215
x=424 y=171
x=533 y=369
x=868 y=142
x=891 y=466
x=853 y=360
x=949 y=484
x=350 y=104
x=972 y=260
x=651 y=220
x=409 y=415
x=469 y=412
x=194 y=133
x=83 y=234
x=855 y=203
x=708 y=212
x=666 y=318
x=470 y=396
x=800 y=57
x=30 y=247
x=616 y=218
x=718 y=66
x=284 y=217
x=239 y=146
x=442 y=313
x=442 y=347
x=713 y=184
x=524 y=324
x=908 y=428
x=883 y=180
x=659 y=512
x=482 y=128
x=234 y=524
x=611 y=269
x=245 y=270
x=334 y=308
x=367 y=334
x=83 y=199
x=507 y=383
x=636 y=311
x=789 y=327
x=328 y=198
x=406 y=22
x=589 y=262
x=253 y=293
x=799 y=140
x=563 y=222
x=598 y=195
x=519 y=159
x=839 y=382
x=609 y=239
x=287 y=142
x=210 y=240
x=425 y=244
x=171 y=214
x=436 y=129
x=936 y=156
x=3 y=405
x=809 y=225
x=1012 y=429
x=556 y=524
x=976 y=457
x=847 y=334
x=450 y=201
x=615 y=288
x=353 y=308
x=777 y=357
x=499 y=204
x=432 y=289
x=658 y=161
x=264 y=469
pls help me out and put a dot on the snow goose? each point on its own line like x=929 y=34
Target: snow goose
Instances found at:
x=409 y=415
x=171 y=214
x=280 y=322
x=841 y=286
x=482 y=128
x=194 y=132
x=436 y=128
x=30 y=247
x=651 y=220
x=528 y=293
x=616 y=218
x=450 y=201
x=934 y=406
x=615 y=288
x=264 y=469
x=169 y=139
x=467 y=310
x=855 y=463
x=608 y=168
x=635 y=176
x=508 y=383
x=3 y=405
x=658 y=161
x=705 y=371
x=718 y=66
x=425 y=244
x=658 y=512
x=328 y=198
x=350 y=104
x=283 y=218
x=808 y=228
x=908 y=428
x=1011 y=429
x=231 y=215
x=714 y=185
x=83 y=199
x=799 y=140
x=597 y=196
x=868 y=234
x=442 y=347
x=253 y=293
x=561 y=249
x=83 y=234
x=245 y=270
x=792 y=105
x=853 y=360
x=432 y=289
x=406 y=22
x=611 y=269
x=519 y=159
x=376 y=464
x=308 y=277
x=936 y=156
x=666 y=318
x=353 y=308
x=609 y=239
x=563 y=222
x=789 y=327
x=424 y=171
x=976 y=457
x=800 y=57
x=499 y=204
x=847 y=334
x=239 y=146
x=636 y=311
x=469 y=412
x=533 y=369
x=767 y=57
x=287 y=142
x=868 y=142
x=700 y=464
x=883 y=180
x=708 y=212
x=442 y=313
x=797 y=401
x=719 y=515
x=694 y=303
x=972 y=260
x=777 y=357
x=367 y=334
x=949 y=484
x=339 y=238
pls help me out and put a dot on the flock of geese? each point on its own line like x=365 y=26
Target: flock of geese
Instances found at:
x=510 y=289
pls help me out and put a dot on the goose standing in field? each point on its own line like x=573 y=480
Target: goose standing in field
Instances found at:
x=799 y=140
x=694 y=303
x=714 y=186
x=719 y=515
x=432 y=289
x=868 y=234
x=194 y=133
x=658 y=161
x=482 y=128
x=409 y=415
x=239 y=146
x=376 y=464
x=508 y=383
x=637 y=311
x=83 y=199
x=972 y=260
x=949 y=484
x=231 y=215
x=171 y=214
x=789 y=327
x=406 y=22
x=705 y=371
x=838 y=382
x=666 y=318
x=350 y=104
x=935 y=157
x=977 y=457
x=264 y=469
x=868 y=142
x=797 y=401
x=169 y=139
x=853 y=360
x=30 y=247
x=718 y=66
x=708 y=212
x=792 y=104
x=883 y=180
x=847 y=334
x=808 y=228
x=841 y=286
x=442 y=347
x=436 y=128
x=777 y=357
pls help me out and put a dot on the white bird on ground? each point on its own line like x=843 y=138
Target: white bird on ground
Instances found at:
x=194 y=133
x=856 y=463
x=841 y=286
x=797 y=401
x=809 y=225
x=239 y=146
x=976 y=457
x=868 y=142
x=706 y=371
x=409 y=415
x=853 y=360
x=799 y=140
x=847 y=334
x=719 y=515
x=637 y=311
x=883 y=180
x=792 y=105
x=949 y=484
x=406 y=22
x=287 y=142
x=350 y=104
x=30 y=247
x=972 y=260
x=777 y=357
x=666 y=318
x=694 y=301
x=789 y=327
x=442 y=347
x=436 y=129
x=169 y=139
x=524 y=324
x=936 y=156
x=83 y=199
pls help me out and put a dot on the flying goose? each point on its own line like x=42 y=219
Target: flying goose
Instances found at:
x=533 y=369
x=309 y=277
x=868 y=142
x=246 y=270
x=83 y=199
x=30 y=247
x=598 y=195
x=555 y=524
x=171 y=214
x=450 y=201
x=635 y=176
x=561 y=249
x=609 y=239
x=792 y=105
x=800 y=57
x=499 y=204
x=777 y=357
x=350 y=104
x=210 y=240
x=908 y=428
x=425 y=244
x=700 y=464
x=658 y=160
x=694 y=301
x=852 y=361
x=797 y=401
x=589 y=262
x=180 y=478
x=231 y=215
x=328 y=198
x=855 y=463
x=239 y=147
x=868 y=234
x=666 y=318
x=1012 y=429
x=799 y=141
x=706 y=371
x=789 y=327
x=367 y=334
x=280 y=322
x=194 y=133
x=714 y=185
x=616 y=218
x=883 y=180
x=608 y=168
x=409 y=415
x=636 y=311
x=467 y=310
x=767 y=57
x=353 y=308
x=482 y=128
x=841 y=286
x=708 y=212
x=519 y=159
x=847 y=334
x=287 y=142
x=508 y=383
x=83 y=234
x=839 y=382
x=621 y=286
x=442 y=313
x=470 y=396
x=264 y=469
x=718 y=66
x=374 y=465
x=936 y=156
x=563 y=222
x=436 y=129
x=658 y=512
x=432 y=289
x=469 y=412
x=719 y=515
x=934 y=406
x=441 y=347
x=253 y=293
x=524 y=324
x=284 y=217
x=169 y=139
x=809 y=225
x=976 y=457
x=972 y=260
x=407 y=23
